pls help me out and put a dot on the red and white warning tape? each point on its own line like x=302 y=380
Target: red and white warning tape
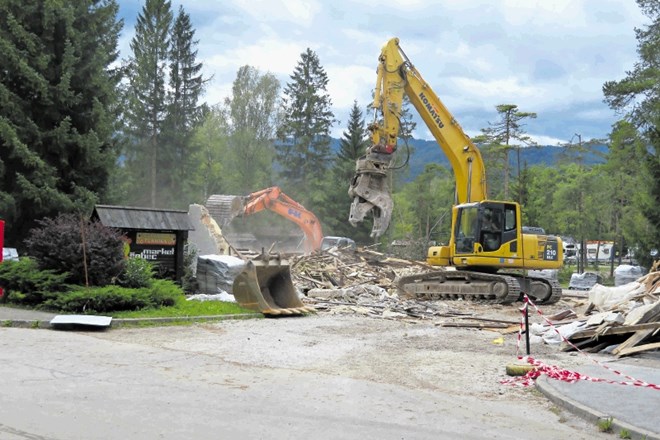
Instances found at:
x=557 y=373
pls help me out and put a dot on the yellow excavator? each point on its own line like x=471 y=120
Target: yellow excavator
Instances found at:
x=489 y=251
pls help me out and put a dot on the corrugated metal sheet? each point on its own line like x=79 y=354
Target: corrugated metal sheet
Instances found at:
x=143 y=218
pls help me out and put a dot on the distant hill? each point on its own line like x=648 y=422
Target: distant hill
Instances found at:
x=425 y=152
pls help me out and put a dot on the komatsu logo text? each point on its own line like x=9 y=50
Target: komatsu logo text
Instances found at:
x=432 y=110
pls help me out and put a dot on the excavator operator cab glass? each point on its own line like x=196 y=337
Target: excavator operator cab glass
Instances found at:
x=490 y=235
x=467 y=229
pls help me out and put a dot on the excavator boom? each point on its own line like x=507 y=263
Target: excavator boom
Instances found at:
x=370 y=188
x=226 y=207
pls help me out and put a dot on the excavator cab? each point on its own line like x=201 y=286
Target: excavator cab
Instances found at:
x=488 y=236
x=488 y=225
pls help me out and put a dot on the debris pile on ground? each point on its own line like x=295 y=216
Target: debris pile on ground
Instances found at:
x=362 y=282
x=620 y=320
x=349 y=269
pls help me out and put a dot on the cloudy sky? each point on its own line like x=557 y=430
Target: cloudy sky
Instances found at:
x=546 y=56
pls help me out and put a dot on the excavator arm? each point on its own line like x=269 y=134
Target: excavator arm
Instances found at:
x=370 y=188
x=275 y=200
x=226 y=207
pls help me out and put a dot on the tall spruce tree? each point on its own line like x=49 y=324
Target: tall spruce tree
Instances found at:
x=638 y=96
x=184 y=113
x=147 y=103
x=58 y=91
x=622 y=184
x=304 y=153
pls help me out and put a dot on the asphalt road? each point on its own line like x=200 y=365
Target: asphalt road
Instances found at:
x=319 y=377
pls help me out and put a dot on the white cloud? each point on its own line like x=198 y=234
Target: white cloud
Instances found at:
x=550 y=57
x=505 y=89
x=300 y=12
x=546 y=140
x=349 y=83
x=268 y=55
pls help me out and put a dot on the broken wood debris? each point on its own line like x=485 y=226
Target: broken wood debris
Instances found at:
x=362 y=282
x=627 y=318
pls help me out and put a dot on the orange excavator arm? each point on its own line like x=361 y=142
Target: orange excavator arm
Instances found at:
x=275 y=200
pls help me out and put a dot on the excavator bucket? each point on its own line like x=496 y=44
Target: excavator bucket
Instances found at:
x=265 y=285
x=224 y=208
x=371 y=193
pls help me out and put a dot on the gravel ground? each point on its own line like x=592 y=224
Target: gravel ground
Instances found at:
x=325 y=376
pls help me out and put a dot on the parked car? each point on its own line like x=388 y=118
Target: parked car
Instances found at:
x=338 y=242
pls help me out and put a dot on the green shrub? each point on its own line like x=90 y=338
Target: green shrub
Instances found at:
x=116 y=298
x=165 y=293
x=57 y=245
x=137 y=273
x=26 y=284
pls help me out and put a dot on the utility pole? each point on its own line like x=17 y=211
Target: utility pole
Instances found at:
x=582 y=260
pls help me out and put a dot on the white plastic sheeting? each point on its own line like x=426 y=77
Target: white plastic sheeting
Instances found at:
x=216 y=274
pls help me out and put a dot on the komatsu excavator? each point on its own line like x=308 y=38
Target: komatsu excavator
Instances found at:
x=487 y=237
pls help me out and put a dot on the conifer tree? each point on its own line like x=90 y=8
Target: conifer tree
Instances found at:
x=335 y=211
x=184 y=113
x=507 y=134
x=638 y=95
x=58 y=94
x=304 y=153
x=147 y=103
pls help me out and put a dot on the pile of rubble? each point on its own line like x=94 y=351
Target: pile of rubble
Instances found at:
x=621 y=320
x=346 y=269
x=363 y=282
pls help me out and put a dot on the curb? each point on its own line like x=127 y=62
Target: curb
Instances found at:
x=132 y=322
x=590 y=414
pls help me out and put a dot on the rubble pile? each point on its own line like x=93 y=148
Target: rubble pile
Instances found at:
x=620 y=320
x=338 y=268
x=363 y=282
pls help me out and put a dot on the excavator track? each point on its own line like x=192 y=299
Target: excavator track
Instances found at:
x=541 y=290
x=501 y=288
x=461 y=284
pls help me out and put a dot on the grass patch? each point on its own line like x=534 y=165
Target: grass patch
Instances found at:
x=183 y=307
x=625 y=434
x=605 y=425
